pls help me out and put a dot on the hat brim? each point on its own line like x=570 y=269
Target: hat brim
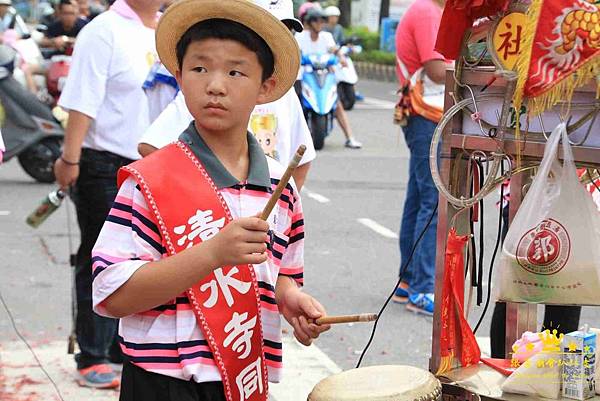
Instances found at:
x=294 y=23
x=183 y=14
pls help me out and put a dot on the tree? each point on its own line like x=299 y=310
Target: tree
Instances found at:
x=384 y=10
x=345 y=7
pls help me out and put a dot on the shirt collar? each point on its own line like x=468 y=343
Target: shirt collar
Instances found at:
x=124 y=10
x=258 y=171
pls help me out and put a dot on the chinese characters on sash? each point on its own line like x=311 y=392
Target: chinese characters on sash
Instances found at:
x=227 y=286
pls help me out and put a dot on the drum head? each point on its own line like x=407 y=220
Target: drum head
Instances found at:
x=379 y=383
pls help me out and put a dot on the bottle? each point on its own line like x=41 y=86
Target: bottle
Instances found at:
x=46 y=208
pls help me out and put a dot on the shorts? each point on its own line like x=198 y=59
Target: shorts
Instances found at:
x=138 y=384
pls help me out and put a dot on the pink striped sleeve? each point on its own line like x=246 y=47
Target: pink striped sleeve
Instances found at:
x=128 y=240
x=292 y=262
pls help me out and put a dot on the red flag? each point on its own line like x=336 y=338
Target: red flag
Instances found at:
x=458 y=17
x=561 y=51
x=453 y=309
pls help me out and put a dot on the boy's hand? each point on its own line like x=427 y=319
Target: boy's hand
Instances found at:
x=297 y=308
x=243 y=241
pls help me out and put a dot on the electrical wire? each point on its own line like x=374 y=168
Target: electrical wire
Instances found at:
x=491 y=269
x=481 y=235
x=14 y=325
x=402 y=272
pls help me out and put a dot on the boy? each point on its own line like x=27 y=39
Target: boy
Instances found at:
x=289 y=131
x=199 y=297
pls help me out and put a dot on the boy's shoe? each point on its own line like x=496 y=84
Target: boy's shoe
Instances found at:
x=421 y=303
x=401 y=294
x=359 y=96
x=98 y=376
x=353 y=144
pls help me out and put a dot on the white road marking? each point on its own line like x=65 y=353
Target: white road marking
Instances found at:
x=4 y=212
x=378 y=228
x=372 y=103
x=313 y=195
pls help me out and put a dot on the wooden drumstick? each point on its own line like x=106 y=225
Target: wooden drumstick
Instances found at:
x=363 y=317
x=283 y=182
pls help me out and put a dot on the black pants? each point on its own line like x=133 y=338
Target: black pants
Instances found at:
x=563 y=318
x=138 y=384
x=93 y=194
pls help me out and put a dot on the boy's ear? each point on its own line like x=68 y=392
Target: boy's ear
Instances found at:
x=266 y=88
x=178 y=78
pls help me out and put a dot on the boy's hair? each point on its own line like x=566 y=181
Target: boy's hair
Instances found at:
x=228 y=30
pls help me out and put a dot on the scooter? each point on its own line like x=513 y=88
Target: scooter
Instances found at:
x=30 y=130
x=319 y=95
x=347 y=77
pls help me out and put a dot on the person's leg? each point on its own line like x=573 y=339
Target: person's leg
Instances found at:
x=424 y=258
x=498 y=331
x=407 y=226
x=563 y=318
x=342 y=118
x=211 y=391
x=94 y=333
x=94 y=194
x=141 y=385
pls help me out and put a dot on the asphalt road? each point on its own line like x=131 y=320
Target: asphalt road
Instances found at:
x=353 y=205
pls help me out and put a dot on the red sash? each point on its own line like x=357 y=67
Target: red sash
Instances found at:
x=188 y=209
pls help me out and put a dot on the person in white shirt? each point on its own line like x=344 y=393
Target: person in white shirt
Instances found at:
x=280 y=126
x=314 y=40
x=108 y=111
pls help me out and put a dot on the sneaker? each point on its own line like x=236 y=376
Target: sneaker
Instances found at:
x=401 y=294
x=353 y=144
x=98 y=376
x=421 y=303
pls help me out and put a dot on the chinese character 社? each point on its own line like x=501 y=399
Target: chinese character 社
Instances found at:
x=224 y=282
x=241 y=333
x=509 y=46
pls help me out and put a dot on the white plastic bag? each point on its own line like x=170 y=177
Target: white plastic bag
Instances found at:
x=551 y=254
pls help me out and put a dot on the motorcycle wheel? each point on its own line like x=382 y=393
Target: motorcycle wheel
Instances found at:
x=38 y=159
x=347 y=95
x=318 y=130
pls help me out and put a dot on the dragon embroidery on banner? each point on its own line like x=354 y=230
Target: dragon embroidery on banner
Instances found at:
x=561 y=52
x=576 y=28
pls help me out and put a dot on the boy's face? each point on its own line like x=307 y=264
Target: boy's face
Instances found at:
x=221 y=82
x=333 y=20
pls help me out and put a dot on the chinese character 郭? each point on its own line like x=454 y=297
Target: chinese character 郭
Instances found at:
x=544 y=249
x=240 y=333
x=249 y=380
x=201 y=225
x=224 y=282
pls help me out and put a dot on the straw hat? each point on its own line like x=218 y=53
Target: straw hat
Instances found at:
x=183 y=14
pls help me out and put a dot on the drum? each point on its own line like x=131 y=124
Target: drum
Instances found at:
x=379 y=383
